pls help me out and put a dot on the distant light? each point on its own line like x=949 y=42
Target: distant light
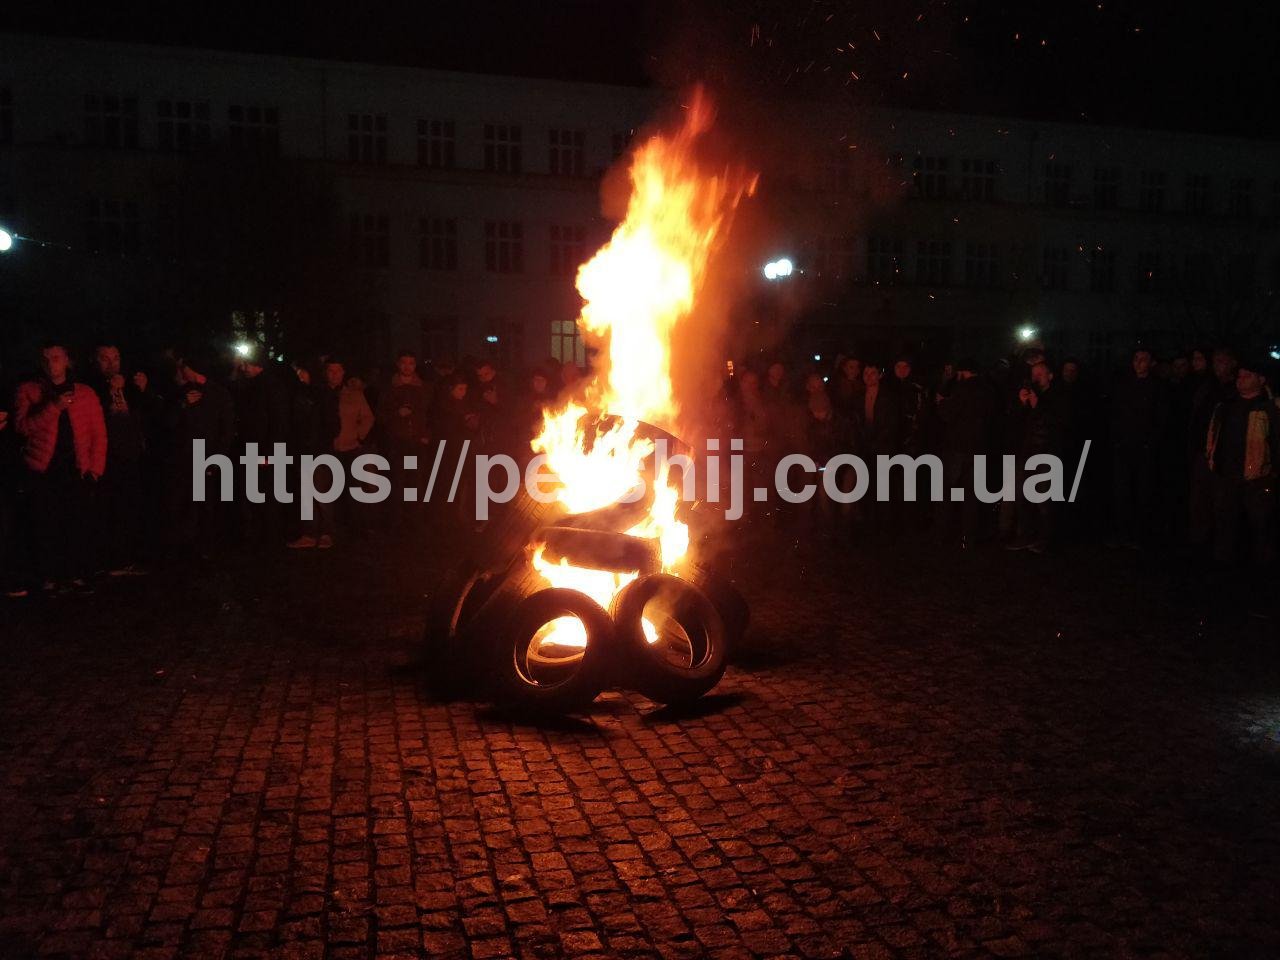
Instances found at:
x=825 y=379
x=243 y=348
x=778 y=269
x=1026 y=333
x=491 y=339
x=1275 y=353
x=817 y=358
x=6 y=240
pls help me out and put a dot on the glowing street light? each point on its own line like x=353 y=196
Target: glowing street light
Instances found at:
x=243 y=349
x=6 y=240
x=779 y=269
x=1027 y=333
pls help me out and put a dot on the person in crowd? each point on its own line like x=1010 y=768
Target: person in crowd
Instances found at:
x=822 y=442
x=1242 y=449
x=202 y=409
x=877 y=432
x=1217 y=388
x=538 y=398
x=913 y=406
x=967 y=415
x=313 y=423
x=262 y=411
x=496 y=429
x=846 y=388
x=64 y=452
x=128 y=408
x=1040 y=432
x=1138 y=411
x=458 y=426
x=751 y=425
x=404 y=419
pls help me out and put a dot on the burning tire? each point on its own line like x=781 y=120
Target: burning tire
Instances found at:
x=602 y=550
x=672 y=641
x=554 y=653
x=507 y=535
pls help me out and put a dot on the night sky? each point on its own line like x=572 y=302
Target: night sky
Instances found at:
x=1153 y=63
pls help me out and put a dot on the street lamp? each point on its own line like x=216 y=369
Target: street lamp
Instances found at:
x=779 y=269
x=6 y=240
x=1027 y=333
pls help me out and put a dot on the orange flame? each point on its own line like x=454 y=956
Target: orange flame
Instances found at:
x=637 y=290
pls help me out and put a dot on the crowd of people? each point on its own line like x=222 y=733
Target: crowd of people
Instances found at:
x=96 y=476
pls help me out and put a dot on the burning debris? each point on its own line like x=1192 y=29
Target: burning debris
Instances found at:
x=599 y=585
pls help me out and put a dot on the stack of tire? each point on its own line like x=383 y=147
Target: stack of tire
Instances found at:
x=488 y=626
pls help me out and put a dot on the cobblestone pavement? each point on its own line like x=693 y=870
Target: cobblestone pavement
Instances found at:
x=931 y=755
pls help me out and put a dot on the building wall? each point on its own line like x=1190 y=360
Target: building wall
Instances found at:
x=908 y=226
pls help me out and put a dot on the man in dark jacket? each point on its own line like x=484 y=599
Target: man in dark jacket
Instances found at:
x=1040 y=418
x=262 y=412
x=1242 y=448
x=128 y=408
x=1216 y=388
x=1138 y=412
x=404 y=419
x=967 y=415
x=201 y=409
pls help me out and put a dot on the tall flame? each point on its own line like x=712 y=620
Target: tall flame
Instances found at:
x=637 y=290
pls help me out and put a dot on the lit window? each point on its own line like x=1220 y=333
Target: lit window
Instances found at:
x=566 y=345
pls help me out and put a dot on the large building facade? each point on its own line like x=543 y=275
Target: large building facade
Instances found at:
x=466 y=202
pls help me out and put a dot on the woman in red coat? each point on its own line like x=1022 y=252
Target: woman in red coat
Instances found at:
x=64 y=449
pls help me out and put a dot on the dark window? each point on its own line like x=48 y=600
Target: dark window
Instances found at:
x=367 y=138
x=1151 y=190
x=884 y=260
x=502 y=148
x=1102 y=271
x=1147 y=274
x=371 y=239
x=1241 y=197
x=503 y=246
x=6 y=115
x=933 y=262
x=566 y=156
x=1106 y=187
x=1055 y=274
x=111 y=121
x=111 y=227
x=931 y=176
x=978 y=179
x=620 y=142
x=254 y=127
x=1196 y=193
x=440 y=338
x=436 y=142
x=182 y=125
x=438 y=243
x=832 y=257
x=568 y=246
x=1057 y=184
x=508 y=350
x=980 y=264
x=835 y=169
